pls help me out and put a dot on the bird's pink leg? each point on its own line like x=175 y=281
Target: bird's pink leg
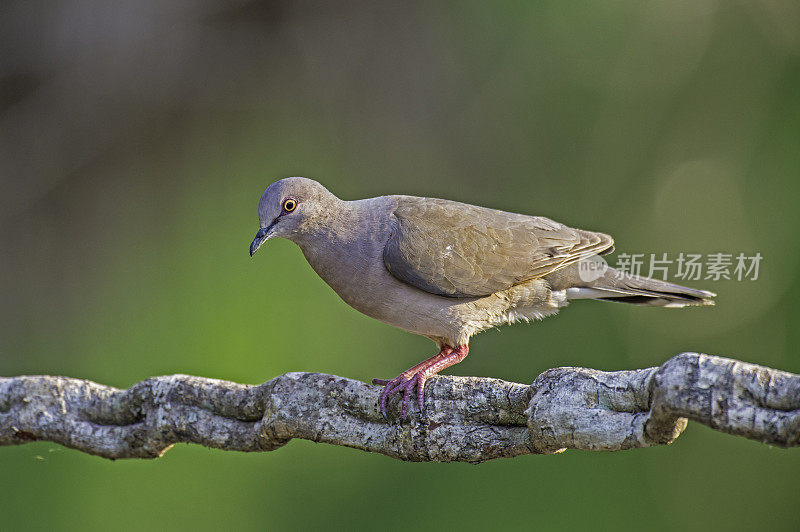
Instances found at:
x=417 y=375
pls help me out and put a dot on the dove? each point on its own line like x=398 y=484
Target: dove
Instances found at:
x=448 y=270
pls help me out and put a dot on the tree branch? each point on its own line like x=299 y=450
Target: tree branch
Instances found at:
x=466 y=419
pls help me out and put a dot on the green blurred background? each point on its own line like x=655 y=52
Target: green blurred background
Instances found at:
x=136 y=138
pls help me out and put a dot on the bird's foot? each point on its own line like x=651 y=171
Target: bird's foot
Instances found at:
x=416 y=377
x=403 y=384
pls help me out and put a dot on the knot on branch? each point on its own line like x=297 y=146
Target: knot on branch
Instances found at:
x=579 y=408
x=467 y=419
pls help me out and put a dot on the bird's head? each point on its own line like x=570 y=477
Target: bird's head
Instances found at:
x=291 y=207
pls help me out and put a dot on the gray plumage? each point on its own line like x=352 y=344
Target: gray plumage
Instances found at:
x=448 y=270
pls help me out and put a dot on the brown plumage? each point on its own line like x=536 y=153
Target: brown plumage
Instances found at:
x=458 y=250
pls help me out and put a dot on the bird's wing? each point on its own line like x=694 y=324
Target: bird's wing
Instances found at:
x=459 y=250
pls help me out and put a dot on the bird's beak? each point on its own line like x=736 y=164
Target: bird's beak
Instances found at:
x=264 y=234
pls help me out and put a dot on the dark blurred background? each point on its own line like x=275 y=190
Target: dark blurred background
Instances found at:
x=136 y=138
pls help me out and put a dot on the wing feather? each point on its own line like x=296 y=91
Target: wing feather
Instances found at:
x=459 y=250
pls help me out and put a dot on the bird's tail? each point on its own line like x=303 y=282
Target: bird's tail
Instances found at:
x=621 y=287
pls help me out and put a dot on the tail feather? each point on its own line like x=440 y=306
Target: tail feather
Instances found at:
x=625 y=288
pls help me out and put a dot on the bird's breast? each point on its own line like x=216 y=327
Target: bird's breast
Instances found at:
x=350 y=260
x=356 y=272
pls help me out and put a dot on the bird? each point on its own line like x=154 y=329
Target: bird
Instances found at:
x=448 y=270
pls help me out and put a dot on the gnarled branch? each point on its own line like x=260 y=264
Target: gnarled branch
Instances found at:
x=466 y=419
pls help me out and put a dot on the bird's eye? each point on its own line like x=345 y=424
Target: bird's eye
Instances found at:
x=289 y=204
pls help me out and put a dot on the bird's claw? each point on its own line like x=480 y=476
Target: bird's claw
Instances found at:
x=416 y=376
x=404 y=384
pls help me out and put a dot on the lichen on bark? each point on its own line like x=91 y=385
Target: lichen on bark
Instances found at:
x=466 y=419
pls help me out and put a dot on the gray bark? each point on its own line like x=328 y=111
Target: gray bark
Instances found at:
x=466 y=419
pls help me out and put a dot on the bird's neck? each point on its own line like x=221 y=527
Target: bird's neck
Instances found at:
x=346 y=245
